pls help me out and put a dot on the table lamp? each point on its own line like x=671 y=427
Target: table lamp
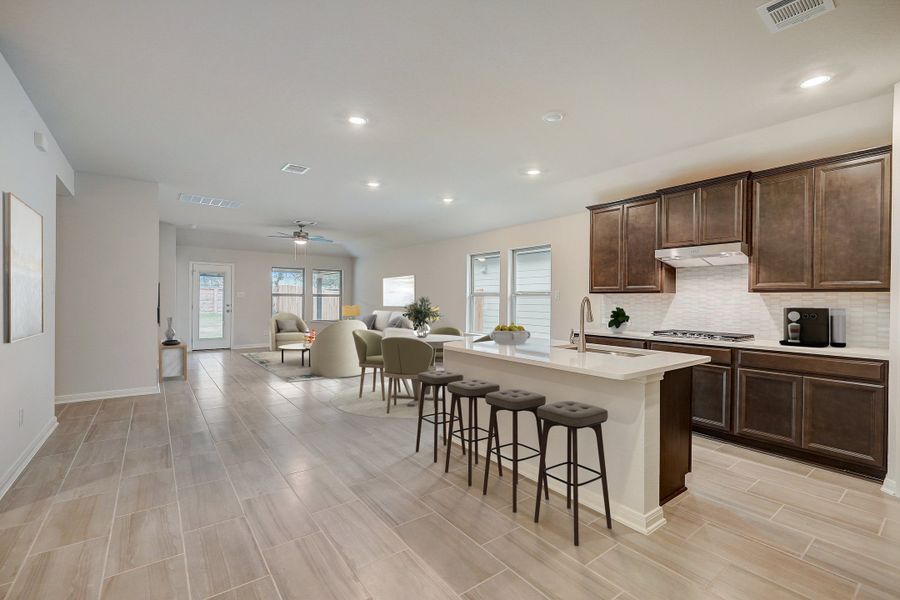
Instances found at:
x=348 y=311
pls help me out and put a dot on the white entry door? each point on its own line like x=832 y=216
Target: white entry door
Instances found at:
x=210 y=306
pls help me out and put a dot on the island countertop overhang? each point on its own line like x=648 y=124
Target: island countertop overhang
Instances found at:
x=609 y=363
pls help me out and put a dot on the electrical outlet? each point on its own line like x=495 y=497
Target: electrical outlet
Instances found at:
x=21 y=417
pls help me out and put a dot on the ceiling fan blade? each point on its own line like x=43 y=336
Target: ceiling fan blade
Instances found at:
x=282 y=236
x=319 y=238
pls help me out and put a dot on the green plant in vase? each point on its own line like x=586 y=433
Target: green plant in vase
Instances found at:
x=618 y=320
x=422 y=313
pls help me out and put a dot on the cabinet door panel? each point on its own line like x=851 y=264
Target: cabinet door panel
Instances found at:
x=782 y=232
x=844 y=419
x=611 y=341
x=606 y=249
x=722 y=209
x=852 y=237
x=641 y=271
x=770 y=406
x=679 y=219
x=711 y=396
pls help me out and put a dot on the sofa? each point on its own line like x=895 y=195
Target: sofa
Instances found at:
x=333 y=354
x=280 y=338
x=380 y=320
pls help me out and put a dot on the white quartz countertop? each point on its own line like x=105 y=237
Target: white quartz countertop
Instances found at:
x=771 y=345
x=614 y=363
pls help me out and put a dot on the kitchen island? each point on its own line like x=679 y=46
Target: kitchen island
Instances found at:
x=647 y=439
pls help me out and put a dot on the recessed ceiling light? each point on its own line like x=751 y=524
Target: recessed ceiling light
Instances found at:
x=447 y=200
x=553 y=117
x=533 y=172
x=814 y=81
x=300 y=242
x=193 y=226
x=357 y=120
x=374 y=184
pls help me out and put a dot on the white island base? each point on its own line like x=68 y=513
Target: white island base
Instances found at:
x=626 y=383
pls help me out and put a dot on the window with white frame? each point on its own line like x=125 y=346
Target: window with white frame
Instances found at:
x=287 y=291
x=326 y=294
x=530 y=287
x=484 y=292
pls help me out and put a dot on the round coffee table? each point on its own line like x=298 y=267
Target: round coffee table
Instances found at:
x=301 y=347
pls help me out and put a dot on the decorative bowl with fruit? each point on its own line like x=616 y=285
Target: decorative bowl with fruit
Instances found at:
x=510 y=334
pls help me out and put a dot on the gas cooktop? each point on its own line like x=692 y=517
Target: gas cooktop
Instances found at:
x=704 y=335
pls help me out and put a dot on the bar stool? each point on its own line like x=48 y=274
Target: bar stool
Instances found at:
x=573 y=416
x=468 y=433
x=437 y=381
x=514 y=401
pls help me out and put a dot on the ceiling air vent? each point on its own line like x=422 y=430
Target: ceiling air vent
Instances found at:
x=295 y=169
x=782 y=14
x=207 y=201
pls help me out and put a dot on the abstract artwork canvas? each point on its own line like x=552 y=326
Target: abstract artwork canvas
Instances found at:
x=398 y=291
x=23 y=270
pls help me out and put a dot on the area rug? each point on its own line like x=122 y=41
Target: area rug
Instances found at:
x=290 y=370
x=371 y=405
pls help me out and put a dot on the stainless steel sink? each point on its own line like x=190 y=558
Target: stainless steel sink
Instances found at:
x=601 y=350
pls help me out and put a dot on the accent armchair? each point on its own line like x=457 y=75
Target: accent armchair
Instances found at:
x=333 y=354
x=277 y=337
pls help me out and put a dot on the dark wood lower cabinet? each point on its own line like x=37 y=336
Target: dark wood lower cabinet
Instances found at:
x=770 y=406
x=615 y=341
x=711 y=394
x=844 y=419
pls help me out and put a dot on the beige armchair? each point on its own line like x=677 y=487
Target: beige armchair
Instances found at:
x=280 y=338
x=333 y=354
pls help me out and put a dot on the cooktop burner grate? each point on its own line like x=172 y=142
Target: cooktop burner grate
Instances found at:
x=704 y=335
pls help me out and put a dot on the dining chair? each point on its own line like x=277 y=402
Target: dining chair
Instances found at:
x=368 y=350
x=404 y=359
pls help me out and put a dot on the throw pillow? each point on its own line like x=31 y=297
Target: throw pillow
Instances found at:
x=287 y=326
x=382 y=318
x=401 y=322
x=368 y=321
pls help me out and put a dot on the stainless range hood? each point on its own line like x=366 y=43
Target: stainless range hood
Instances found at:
x=732 y=253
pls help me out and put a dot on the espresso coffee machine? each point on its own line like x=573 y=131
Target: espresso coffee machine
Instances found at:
x=807 y=327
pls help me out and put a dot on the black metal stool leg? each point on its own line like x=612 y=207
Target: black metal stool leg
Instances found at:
x=542 y=470
x=473 y=414
x=471 y=430
x=568 y=468
x=419 y=420
x=574 y=432
x=515 y=437
x=453 y=403
x=497 y=444
x=434 y=393
x=599 y=431
x=444 y=405
x=537 y=422
x=492 y=427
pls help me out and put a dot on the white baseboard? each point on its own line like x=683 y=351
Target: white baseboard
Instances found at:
x=890 y=487
x=139 y=391
x=249 y=346
x=17 y=467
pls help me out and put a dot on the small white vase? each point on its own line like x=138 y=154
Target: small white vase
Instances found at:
x=620 y=329
x=170 y=331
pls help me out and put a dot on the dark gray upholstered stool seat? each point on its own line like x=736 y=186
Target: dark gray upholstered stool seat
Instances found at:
x=469 y=433
x=573 y=414
x=439 y=377
x=515 y=399
x=437 y=381
x=472 y=388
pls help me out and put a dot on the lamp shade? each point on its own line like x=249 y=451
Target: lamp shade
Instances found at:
x=350 y=310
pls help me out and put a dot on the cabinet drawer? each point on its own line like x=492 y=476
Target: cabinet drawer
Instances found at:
x=611 y=341
x=719 y=356
x=869 y=370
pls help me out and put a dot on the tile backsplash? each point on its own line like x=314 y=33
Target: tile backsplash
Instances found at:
x=716 y=299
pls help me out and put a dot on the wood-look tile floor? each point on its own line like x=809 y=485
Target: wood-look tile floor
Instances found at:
x=240 y=485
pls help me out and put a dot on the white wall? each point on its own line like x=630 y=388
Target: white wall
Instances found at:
x=167 y=277
x=108 y=268
x=252 y=288
x=892 y=481
x=27 y=366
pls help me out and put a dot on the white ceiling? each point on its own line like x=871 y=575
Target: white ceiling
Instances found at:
x=214 y=97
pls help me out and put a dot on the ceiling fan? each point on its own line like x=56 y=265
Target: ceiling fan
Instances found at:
x=301 y=237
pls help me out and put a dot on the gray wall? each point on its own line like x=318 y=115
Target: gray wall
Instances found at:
x=27 y=366
x=167 y=277
x=108 y=272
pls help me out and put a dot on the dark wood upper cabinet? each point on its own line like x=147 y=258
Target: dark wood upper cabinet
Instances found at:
x=852 y=234
x=782 y=232
x=623 y=244
x=606 y=249
x=707 y=212
x=822 y=225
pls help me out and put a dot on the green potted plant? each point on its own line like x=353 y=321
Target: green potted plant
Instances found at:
x=422 y=313
x=618 y=320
